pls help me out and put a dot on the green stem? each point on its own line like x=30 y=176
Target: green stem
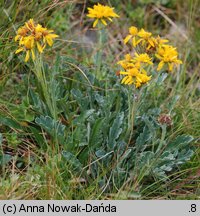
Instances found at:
x=162 y=140
x=131 y=114
x=101 y=35
x=48 y=95
x=42 y=80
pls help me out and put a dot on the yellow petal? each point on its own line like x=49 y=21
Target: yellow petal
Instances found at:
x=137 y=84
x=32 y=42
x=178 y=61
x=17 y=37
x=124 y=79
x=131 y=82
x=138 y=79
x=27 y=55
x=128 y=80
x=21 y=41
x=133 y=30
x=144 y=71
x=49 y=41
x=151 y=42
x=158 y=56
x=170 y=66
x=127 y=38
x=143 y=42
x=33 y=54
x=19 y=50
x=91 y=15
x=95 y=23
x=160 y=65
x=149 y=46
x=39 y=47
x=139 y=41
x=123 y=72
x=51 y=31
x=104 y=22
x=53 y=35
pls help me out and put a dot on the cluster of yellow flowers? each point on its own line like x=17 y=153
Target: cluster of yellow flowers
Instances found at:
x=33 y=35
x=148 y=49
x=134 y=69
x=152 y=48
x=101 y=12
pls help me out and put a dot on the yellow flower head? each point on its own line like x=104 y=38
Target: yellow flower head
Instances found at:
x=142 y=58
x=146 y=39
x=133 y=69
x=133 y=31
x=155 y=42
x=140 y=37
x=33 y=37
x=160 y=41
x=167 y=55
x=144 y=34
x=21 y=32
x=126 y=62
x=134 y=76
x=101 y=12
x=130 y=75
x=30 y=25
x=142 y=79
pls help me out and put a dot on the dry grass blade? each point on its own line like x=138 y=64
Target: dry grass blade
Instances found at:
x=171 y=22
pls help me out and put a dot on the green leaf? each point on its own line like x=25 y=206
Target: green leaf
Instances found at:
x=37 y=136
x=184 y=155
x=54 y=128
x=1 y=139
x=100 y=153
x=100 y=99
x=80 y=98
x=146 y=159
x=5 y=159
x=58 y=62
x=143 y=138
x=161 y=78
x=115 y=130
x=72 y=160
x=172 y=104
x=38 y=105
x=10 y=123
x=125 y=156
x=180 y=142
x=96 y=137
x=84 y=116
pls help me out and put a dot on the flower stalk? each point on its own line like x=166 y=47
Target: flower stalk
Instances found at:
x=32 y=39
x=99 y=55
x=40 y=74
x=102 y=14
